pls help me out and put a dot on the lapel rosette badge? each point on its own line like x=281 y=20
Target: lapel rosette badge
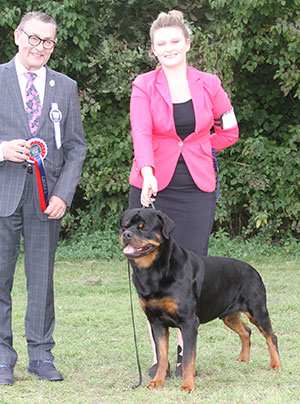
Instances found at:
x=56 y=116
x=38 y=152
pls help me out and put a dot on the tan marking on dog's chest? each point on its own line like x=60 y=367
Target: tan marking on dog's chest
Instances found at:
x=146 y=261
x=166 y=304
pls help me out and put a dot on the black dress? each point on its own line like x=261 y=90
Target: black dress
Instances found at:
x=191 y=209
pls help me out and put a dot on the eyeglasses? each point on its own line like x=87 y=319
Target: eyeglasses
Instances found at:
x=35 y=40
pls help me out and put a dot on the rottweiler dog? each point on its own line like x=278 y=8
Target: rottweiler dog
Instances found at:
x=177 y=288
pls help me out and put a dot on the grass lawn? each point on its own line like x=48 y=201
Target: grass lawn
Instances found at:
x=96 y=354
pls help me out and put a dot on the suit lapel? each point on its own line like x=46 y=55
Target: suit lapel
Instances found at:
x=17 y=100
x=196 y=88
x=163 y=88
x=16 y=96
x=48 y=97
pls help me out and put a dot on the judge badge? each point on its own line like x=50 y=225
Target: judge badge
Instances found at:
x=56 y=116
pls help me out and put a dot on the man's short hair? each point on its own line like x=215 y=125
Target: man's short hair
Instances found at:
x=37 y=15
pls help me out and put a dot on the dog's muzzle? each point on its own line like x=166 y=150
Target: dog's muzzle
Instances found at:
x=131 y=247
x=127 y=236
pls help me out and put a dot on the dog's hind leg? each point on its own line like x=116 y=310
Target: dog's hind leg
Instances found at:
x=235 y=323
x=161 y=339
x=261 y=320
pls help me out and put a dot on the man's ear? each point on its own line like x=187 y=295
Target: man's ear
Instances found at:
x=17 y=34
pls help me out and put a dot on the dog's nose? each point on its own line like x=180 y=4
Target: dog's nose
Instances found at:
x=127 y=235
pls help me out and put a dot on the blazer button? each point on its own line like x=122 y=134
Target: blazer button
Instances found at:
x=180 y=144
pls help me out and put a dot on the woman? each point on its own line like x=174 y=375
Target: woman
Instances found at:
x=172 y=111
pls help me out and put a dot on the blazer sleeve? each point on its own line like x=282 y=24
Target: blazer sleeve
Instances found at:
x=221 y=104
x=141 y=124
x=74 y=150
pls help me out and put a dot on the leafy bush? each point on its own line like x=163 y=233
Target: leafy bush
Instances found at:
x=252 y=45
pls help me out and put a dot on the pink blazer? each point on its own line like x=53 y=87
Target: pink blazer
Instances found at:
x=155 y=140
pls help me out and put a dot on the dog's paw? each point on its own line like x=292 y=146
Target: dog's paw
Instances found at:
x=275 y=366
x=155 y=384
x=189 y=388
x=243 y=358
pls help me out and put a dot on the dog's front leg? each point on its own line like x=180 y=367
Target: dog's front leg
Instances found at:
x=189 y=336
x=161 y=339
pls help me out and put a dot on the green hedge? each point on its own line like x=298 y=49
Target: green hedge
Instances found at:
x=252 y=45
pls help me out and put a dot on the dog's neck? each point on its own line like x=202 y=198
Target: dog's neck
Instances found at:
x=149 y=280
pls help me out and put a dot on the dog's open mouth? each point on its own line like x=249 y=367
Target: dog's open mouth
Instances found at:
x=133 y=252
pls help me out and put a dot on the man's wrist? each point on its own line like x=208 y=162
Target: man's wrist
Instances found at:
x=1 y=150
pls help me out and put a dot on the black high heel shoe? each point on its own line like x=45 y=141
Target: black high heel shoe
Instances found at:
x=178 y=372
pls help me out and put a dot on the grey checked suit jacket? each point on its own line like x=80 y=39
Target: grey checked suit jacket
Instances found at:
x=63 y=167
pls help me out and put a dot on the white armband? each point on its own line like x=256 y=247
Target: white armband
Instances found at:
x=227 y=120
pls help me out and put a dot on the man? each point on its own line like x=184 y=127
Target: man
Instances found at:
x=42 y=150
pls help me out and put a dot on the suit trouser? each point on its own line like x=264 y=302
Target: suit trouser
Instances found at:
x=40 y=243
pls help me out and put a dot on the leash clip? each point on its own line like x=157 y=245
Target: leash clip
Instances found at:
x=152 y=200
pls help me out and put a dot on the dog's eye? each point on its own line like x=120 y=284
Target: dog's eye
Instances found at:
x=141 y=226
x=126 y=225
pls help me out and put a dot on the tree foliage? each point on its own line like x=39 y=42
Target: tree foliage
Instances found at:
x=254 y=47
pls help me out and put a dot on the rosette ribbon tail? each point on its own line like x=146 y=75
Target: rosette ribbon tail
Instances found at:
x=41 y=182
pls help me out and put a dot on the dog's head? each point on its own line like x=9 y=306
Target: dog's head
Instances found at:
x=142 y=231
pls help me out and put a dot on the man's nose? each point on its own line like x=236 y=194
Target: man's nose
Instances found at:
x=40 y=46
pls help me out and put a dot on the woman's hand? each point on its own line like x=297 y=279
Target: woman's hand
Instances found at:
x=149 y=186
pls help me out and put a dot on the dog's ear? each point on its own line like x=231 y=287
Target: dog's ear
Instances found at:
x=121 y=218
x=167 y=224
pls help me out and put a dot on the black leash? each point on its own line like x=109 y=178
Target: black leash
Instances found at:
x=134 y=332
x=133 y=323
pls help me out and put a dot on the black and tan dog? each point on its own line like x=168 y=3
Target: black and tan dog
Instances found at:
x=176 y=288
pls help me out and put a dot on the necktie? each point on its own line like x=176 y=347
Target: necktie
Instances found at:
x=33 y=104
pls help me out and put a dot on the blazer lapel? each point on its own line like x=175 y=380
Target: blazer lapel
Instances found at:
x=48 y=97
x=196 y=88
x=16 y=96
x=163 y=88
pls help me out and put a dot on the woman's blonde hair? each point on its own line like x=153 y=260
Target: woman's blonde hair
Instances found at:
x=173 y=18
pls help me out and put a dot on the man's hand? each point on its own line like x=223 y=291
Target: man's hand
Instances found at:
x=16 y=150
x=56 y=208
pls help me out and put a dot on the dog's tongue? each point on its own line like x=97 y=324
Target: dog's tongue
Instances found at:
x=129 y=250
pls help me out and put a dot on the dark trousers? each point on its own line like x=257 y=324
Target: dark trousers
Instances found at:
x=40 y=243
